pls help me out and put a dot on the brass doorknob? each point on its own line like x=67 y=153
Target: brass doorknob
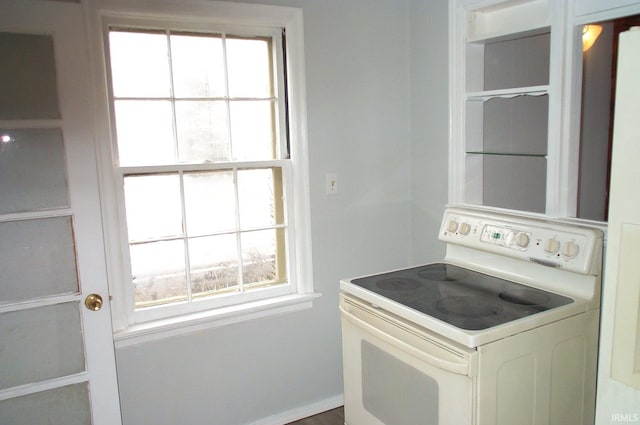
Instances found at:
x=93 y=302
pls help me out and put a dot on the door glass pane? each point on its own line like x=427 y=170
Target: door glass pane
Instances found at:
x=28 y=81
x=40 y=343
x=33 y=174
x=61 y=406
x=37 y=259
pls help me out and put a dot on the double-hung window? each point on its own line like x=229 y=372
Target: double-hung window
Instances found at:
x=204 y=177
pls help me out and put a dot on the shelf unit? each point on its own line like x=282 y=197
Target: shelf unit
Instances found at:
x=502 y=103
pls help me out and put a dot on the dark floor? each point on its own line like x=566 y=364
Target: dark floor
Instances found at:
x=331 y=417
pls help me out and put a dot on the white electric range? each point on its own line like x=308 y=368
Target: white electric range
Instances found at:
x=504 y=330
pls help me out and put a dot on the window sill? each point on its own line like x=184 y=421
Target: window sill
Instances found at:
x=159 y=329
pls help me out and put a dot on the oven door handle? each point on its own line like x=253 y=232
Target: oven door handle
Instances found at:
x=460 y=368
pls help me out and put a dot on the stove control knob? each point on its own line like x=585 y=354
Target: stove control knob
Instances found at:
x=551 y=246
x=522 y=240
x=570 y=250
x=465 y=228
x=452 y=226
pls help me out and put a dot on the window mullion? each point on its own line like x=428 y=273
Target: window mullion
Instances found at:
x=238 y=233
x=185 y=238
x=172 y=96
x=226 y=93
x=187 y=167
x=176 y=153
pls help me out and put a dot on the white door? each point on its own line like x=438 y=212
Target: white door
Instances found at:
x=57 y=363
x=619 y=362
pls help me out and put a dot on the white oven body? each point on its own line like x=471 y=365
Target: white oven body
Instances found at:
x=403 y=366
x=399 y=373
x=396 y=373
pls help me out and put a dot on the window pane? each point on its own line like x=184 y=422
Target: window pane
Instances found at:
x=259 y=256
x=153 y=206
x=145 y=132
x=252 y=131
x=203 y=131
x=209 y=202
x=198 y=66
x=248 y=63
x=158 y=273
x=257 y=198
x=139 y=64
x=214 y=264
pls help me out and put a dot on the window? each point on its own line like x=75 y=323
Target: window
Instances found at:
x=207 y=190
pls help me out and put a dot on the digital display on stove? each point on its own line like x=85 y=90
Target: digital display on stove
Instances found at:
x=463 y=298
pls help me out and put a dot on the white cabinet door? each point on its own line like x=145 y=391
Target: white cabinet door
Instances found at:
x=622 y=266
x=57 y=363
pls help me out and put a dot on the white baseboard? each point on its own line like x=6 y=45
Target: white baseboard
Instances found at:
x=302 y=412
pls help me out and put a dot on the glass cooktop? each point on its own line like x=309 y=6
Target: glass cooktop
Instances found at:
x=463 y=298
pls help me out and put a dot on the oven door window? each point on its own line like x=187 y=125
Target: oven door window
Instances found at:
x=415 y=395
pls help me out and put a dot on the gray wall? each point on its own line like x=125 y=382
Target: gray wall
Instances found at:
x=429 y=100
x=377 y=116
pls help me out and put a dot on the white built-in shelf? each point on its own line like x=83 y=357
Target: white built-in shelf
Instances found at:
x=495 y=153
x=507 y=19
x=495 y=37
x=508 y=93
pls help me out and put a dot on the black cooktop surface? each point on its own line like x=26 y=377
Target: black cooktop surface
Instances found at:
x=463 y=298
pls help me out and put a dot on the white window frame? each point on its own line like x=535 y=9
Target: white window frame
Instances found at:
x=130 y=326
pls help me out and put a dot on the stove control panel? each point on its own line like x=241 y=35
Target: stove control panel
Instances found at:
x=551 y=243
x=505 y=237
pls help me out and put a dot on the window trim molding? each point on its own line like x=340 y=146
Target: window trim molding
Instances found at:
x=209 y=319
x=100 y=14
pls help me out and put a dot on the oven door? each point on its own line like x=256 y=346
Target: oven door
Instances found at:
x=398 y=373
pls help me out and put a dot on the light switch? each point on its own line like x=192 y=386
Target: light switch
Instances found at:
x=331 y=183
